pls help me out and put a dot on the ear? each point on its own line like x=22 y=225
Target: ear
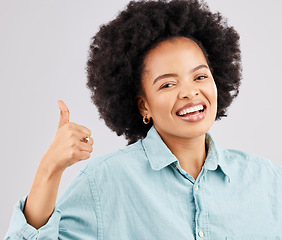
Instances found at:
x=142 y=105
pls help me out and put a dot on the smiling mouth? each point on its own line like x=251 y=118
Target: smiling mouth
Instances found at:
x=195 y=110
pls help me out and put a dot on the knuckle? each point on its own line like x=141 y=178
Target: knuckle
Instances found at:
x=73 y=143
x=68 y=126
x=72 y=153
x=71 y=135
x=71 y=125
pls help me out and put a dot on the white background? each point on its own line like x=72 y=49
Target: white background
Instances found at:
x=43 y=53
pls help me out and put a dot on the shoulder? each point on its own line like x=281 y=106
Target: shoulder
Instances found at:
x=133 y=154
x=246 y=160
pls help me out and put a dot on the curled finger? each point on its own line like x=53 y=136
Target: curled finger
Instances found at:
x=84 y=155
x=85 y=147
x=87 y=139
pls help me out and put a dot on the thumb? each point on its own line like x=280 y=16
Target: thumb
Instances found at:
x=64 y=115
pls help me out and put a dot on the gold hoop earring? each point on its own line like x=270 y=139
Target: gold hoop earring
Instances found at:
x=145 y=119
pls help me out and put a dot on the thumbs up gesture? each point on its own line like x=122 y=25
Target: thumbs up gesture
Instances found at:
x=72 y=143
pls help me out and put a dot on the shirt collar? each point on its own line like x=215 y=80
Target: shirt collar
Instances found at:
x=215 y=157
x=156 y=150
x=160 y=156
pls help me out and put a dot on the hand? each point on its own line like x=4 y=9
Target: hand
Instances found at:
x=67 y=148
x=69 y=145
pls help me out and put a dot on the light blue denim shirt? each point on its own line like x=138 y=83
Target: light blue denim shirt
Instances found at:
x=141 y=192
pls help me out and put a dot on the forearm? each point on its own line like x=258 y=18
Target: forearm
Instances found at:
x=41 y=200
x=67 y=148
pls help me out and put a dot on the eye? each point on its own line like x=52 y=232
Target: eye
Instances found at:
x=167 y=85
x=201 y=77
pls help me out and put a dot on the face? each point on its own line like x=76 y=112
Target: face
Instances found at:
x=180 y=94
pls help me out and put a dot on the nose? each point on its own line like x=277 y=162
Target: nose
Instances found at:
x=188 y=91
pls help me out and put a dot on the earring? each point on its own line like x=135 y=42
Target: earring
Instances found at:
x=146 y=120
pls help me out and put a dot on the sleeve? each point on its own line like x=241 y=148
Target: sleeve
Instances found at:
x=74 y=216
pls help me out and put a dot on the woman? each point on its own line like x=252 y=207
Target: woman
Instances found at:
x=161 y=73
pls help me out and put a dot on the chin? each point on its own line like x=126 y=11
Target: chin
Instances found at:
x=194 y=134
x=194 y=131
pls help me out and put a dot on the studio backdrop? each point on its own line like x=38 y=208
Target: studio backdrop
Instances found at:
x=43 y=52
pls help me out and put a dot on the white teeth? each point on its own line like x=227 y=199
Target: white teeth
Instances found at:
x=191 y=109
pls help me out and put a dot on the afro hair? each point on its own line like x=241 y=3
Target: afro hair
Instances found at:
x=117 y=52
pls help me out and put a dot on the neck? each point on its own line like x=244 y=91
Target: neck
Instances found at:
x=191 y=153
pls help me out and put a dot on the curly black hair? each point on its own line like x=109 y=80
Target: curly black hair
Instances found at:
x=117 y=52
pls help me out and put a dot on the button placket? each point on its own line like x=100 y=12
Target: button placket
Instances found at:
x=200 y=209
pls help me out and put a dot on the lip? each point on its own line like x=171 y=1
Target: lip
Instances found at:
x=194 y=117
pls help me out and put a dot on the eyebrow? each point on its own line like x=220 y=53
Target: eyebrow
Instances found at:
x=167 y=75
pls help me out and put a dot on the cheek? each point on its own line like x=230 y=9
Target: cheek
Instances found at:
x=213 y=97
x=215 y=92
x=211 y=92
x=160 y=104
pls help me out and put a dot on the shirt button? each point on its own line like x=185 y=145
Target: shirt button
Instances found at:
x=201 y=234
x=196 y=188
